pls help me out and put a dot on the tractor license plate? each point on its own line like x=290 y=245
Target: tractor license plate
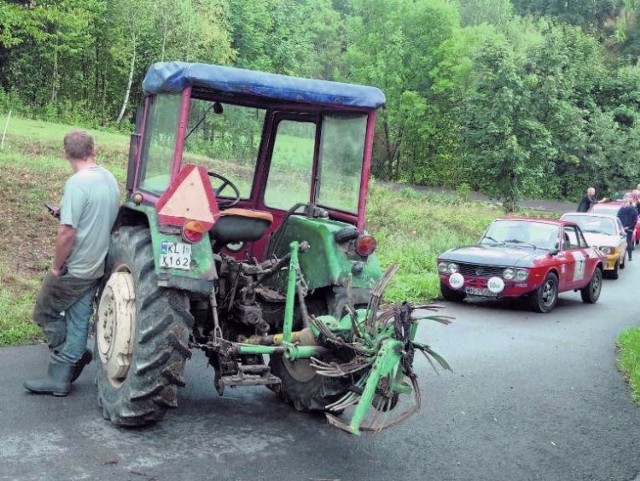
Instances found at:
x=476 y=291
x=175 y=255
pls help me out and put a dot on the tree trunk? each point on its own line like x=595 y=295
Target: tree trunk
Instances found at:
x=126 y=94
x=54 y=87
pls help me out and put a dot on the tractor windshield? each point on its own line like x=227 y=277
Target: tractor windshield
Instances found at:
x=224 y=138
x=339 y=168
x=314 y=157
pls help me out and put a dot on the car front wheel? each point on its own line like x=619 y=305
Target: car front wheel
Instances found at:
x=591 y=292
x=451 y=295
x=544 y=298
x=613 y=273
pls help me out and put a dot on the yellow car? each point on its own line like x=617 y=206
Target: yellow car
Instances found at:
x=607 y=234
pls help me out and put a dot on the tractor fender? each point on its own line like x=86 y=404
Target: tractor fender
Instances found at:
x=327 y=263
x=200 y=276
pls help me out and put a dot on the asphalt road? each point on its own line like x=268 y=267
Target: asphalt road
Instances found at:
x=533 y=397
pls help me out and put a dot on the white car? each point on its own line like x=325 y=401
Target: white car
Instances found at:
x=607 y=234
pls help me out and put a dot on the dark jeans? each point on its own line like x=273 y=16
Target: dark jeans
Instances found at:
x=631 y=245
x=63 y=309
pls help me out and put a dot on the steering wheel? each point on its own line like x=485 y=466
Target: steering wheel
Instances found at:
x=225 y=203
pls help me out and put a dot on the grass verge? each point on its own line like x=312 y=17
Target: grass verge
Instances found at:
x=629 y=359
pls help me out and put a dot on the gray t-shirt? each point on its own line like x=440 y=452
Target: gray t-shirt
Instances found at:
x=90 y=205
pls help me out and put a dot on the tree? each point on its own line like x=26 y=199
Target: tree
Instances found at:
x=493 y=12
x=508 y=148
x=590 y=14
x=395 y=44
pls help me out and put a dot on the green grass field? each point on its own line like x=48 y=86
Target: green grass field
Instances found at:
x=411 y=228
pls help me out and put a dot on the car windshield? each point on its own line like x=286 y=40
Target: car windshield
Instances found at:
x=606 y=209
x=593 y=224
x=539 y=235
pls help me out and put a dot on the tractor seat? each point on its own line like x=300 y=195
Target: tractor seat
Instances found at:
x=240 y=225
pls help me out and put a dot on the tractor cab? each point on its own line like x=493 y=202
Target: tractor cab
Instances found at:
x=267 y=143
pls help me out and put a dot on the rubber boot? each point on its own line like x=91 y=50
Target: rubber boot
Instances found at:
x=86 y=358
x=57 y=382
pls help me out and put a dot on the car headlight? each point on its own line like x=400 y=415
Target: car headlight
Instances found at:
x=442 y=267
x=522 y=275
x=452 y=267
x=509 y=273
x=606 y=250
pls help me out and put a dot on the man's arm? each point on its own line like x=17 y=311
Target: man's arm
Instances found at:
x=64 y=243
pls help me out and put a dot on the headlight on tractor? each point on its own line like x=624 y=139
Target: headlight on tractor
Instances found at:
x=509 y=273
x=606 y=250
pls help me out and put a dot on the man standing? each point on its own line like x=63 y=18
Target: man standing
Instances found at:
x=628 y=216
x=64 y=303
x=588 y=200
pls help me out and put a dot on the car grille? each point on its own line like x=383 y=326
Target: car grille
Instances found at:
x=480 y=271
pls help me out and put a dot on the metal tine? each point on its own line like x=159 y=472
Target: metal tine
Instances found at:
x=428 y=307
x=341 y=373
x=354 y=322
x=347 y=403
x=324 y=330
x=341 y=369
x=430 y=353
x=351 y=395
x=378 y=290
x=344 y=402
x=417 y=399
x=385 y=317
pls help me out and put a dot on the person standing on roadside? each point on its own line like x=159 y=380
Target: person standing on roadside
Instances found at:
x=628 y=216
x=64 y=304
x=588 y=200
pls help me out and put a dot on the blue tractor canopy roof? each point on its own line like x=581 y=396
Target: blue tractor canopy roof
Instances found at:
x=176 y=76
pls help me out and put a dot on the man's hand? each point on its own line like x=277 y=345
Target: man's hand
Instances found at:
x=64 y=244
x=58 y=272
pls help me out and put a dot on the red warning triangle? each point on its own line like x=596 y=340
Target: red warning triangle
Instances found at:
x=189 y=197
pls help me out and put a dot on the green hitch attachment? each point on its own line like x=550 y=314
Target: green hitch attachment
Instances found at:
x=382 y=346
x=381 y=366
x=294 y=352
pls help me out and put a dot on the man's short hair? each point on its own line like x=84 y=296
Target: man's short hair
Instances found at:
x=79 y=145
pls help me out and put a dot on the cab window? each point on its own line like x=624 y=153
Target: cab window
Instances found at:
x=291 y=165
x=225 y=139
x=160 y=141
x=341 y=154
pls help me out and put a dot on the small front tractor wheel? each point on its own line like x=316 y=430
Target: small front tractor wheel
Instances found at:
x=302 y=387
x=141 y=334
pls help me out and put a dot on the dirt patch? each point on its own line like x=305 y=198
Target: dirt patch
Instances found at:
x=27 y=231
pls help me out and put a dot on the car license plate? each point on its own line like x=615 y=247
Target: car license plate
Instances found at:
x=476 y=291
x=175 y=255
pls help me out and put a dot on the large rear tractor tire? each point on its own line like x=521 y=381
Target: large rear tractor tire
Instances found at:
x=142 y=332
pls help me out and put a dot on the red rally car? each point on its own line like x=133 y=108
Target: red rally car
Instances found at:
x=524 y=257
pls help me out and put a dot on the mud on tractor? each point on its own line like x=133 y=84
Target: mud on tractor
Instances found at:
x=243 y=235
